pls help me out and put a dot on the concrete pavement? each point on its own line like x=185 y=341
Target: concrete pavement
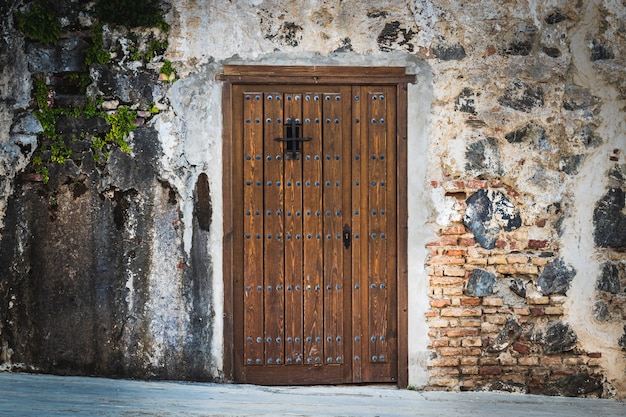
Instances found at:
x=46 y=395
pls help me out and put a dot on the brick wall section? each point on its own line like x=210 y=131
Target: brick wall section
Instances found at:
x=463 y=328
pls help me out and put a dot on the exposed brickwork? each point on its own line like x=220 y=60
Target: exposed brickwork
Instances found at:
x=464 y=329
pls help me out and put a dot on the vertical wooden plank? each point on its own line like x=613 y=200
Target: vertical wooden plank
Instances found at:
x=401 y=237
x=359 y=273
x=253 y=227
x=332 y=226
x=312 y=230
x=273 y=227
x=293 y=241
x=377 y=175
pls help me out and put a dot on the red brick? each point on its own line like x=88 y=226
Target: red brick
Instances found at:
x=440 y=303
x=538 y=244
x=521 y=348
x=470 y=301
x=500 y=244
x=452 y=351
x=537 y=311
x=454 y=272
x=445 y=260
x=461 y=332
x=476 y=184
x=461 y=312
x=595 y=355
x=550 y=361
x=442 y=362
x=490 y=370
x=466 y=241
x=439 y=343
x=446 y=281
x=455 y=252
x=522 y=311
x=457 y=229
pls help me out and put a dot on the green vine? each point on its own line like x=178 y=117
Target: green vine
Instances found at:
x=53 y=148
x=39 y=24
x=96 y=54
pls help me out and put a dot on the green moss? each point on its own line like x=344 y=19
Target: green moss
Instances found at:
x=39 y=24
x=96 y=54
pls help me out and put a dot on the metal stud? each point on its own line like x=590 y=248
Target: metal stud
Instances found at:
x=249 y=339
x=357 y=338
x=356 y=358
x=259 y=340
x=374 y=358
x=329 y=359
x=258 y=361
x=270 y=361
x=297 y=340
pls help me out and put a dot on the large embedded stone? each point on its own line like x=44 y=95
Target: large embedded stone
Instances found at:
x=483 y=158
x=26 y=124
x=559 y=337
x=532 y=133
x=556 y=277
x=489 y=212
x=127 y=87
x=578 y=385
x=449 y=52
x=480 y=283
x=67 y=55
x=578 y=98
x=509 y=334
x=466 y=101
x=522 y=96
x=609 y=280
x=601 y=51
x=622 y=340
x=609 y=220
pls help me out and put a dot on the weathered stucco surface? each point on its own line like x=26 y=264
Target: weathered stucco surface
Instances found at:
x=517 y=178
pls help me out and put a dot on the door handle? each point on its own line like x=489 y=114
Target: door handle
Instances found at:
x=347 y=236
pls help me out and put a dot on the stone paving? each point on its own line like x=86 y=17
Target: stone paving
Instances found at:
x=46 y=395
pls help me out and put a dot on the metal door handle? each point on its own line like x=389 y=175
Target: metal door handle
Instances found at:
x=347 y=236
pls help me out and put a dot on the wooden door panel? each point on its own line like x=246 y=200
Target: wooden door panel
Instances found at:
x=253 y=230
x=316 y=306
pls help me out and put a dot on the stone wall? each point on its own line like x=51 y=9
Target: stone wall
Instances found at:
x=517 y=137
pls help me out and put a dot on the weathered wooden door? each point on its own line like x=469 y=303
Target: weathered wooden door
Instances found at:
x=314 y=270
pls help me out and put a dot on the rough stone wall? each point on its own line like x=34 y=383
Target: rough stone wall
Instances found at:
x=520 y=202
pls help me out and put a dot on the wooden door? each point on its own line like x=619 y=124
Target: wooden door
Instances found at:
x=314 y=232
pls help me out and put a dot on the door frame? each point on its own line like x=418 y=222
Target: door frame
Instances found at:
x=312 y=75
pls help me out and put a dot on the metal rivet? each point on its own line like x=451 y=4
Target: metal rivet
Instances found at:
x=327 y=121
x=338 y=358
x=297 y=289
x=329 y=359
x=258 y=361
x=317 y=288
x=297 y=340
x=373 y=235
x=298 y=360
x=279 y=288
x=247 y=97
x=327 y=98
x=357 y=338
x=318 y=360
x=257 y=97
x=336 y=121
x=259 y=288
x=316 y=98
x=373 y=121
x=307 y=98
x=309 y=360
x=373 y=97
x=248 y=182
x=338 y=338
x=382 y=337
x=247 y=235
x=374 y=358
x=356 y=358
x=308 y=339
x=249 y=361
x=357 y=286
x=357 y=183
x=269 y=288
x=269 y=339
x=257 y=120
x=289 y=288
x=372 y=285
x=259 y=340
x=330 y=339
x=278 y=120
x=356 y=235
x=356 y=121
x=248 y=339
x=269 y=360
x=307 y=120
x=382 y=358
x=317 y=120
x=248 y=121
x=382 y=286
x=249 y=288
x=382 y=121
x=329 y=287
x=338 y=287
x=308 y=288
x=268 y=120
x=373 y=338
